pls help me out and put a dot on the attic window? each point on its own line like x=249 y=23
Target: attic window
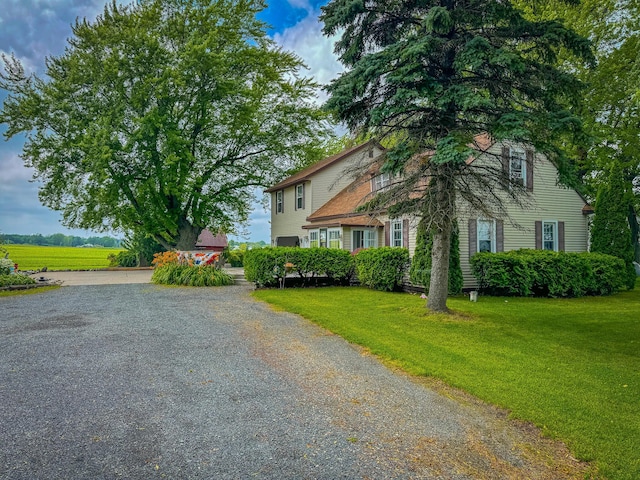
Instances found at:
x=382 y=181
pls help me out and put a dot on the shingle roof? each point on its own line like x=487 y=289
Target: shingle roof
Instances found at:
x=206 y=239
x=306 y=173
x=344 y=202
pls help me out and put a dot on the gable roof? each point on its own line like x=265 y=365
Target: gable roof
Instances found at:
x=206 y=239
x=306 y=173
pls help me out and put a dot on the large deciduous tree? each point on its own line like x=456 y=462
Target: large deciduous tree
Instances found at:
x=435 y=74
x=611 y=101
x=162 y=117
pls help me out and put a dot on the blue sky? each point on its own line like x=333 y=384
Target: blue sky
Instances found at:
x=34 y=29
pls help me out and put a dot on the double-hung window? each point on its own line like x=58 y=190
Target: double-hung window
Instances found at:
x=314 y=240
x=486 y=235
x=550 y=235
x=396 y=233
x=334 y=238
x=300 y=196
x=280 y=201
x=518 y=166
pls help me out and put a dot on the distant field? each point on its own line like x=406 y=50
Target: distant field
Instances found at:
x=34 y=257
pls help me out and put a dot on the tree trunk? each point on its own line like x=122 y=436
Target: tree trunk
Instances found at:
x=439 y=284
x=441 y=211
x=187 y=235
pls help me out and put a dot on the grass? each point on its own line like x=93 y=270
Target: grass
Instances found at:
x=34 y=257
x=570 y=366
x=30 y=291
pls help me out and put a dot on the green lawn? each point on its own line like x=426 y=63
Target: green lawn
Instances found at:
x=34 y=257
x=571 y=366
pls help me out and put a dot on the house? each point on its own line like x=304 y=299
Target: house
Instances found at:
x=318 y=207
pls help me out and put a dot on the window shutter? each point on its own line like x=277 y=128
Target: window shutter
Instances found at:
x=529 y=170
x=405 y=233
x=499 y=236
x=538 y=235
x=387 y=233
x=506 y=155
x=304 y=195
x=561 y=236
x=473 y=236
x=282 y=201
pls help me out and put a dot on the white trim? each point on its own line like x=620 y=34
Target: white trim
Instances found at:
x=555 y=234
x=396 y=227
x=492 y=235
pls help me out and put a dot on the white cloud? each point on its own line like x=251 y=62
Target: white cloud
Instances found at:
x=316 y=50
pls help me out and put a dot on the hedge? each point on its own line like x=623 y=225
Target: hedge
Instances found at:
x=382 y=268
x=267 y=267
x=547 y=274
x=15 y=279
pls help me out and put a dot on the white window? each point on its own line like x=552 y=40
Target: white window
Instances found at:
x=518 y=166
x=366 y=238
x=300 y=196
x=550 y=235
x=334 y=238
x=382 y=181
x=323 y=237
x=314 y=238
x=396 y=233
x=486 y=235
x=279 y=201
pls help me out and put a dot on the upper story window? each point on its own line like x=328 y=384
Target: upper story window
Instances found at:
x=486 y=236
x=300 y=196
x=280 y=201
x=396 y=233
x=550 y=235
x=518 y=166
x=381 y=181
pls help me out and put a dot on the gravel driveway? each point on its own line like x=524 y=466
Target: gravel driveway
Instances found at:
x=141 y=381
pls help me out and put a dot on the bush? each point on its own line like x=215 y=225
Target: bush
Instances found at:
x=126 y=258
x=547 y=274
x=382 y=268
x=6 y=265
x=267 y=267
x=7 y=280
x=193 y=276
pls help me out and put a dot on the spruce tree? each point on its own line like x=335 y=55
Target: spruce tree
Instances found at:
x=610 y=231
x=420 y=273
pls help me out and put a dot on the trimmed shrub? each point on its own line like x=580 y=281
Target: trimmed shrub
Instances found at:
x=547 y=274
x=193 y=276
x=267 y=267
x=382 y=268
x=17 y=279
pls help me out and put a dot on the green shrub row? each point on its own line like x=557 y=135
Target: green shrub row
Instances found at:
x=382 y=268
x=267 y=267
x=547 y=274
x=17 y=279
x=126 y=258
x=378 y=268
x=194 y=276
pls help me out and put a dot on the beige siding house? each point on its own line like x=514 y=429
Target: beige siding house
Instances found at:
x=317 y=207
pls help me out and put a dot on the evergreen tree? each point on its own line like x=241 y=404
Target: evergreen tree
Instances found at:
x=434 y=75
x=610 y=231
x=420 y=272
